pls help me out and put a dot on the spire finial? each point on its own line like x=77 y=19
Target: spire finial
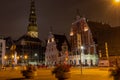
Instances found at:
x=51 y=29
x=77 y=14
x=32 y=16
x=78 y=11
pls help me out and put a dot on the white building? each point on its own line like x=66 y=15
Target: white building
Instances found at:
x=57 y=49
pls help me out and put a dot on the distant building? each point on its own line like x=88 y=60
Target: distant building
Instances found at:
x=105 y=34
x=57 y=49
x=29 y=47
x=2 y=51
x=83 y=46
x=9 y=43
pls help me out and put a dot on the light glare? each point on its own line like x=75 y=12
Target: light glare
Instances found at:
x=117 y=1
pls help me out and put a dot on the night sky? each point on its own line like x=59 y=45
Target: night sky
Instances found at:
x=59 y=14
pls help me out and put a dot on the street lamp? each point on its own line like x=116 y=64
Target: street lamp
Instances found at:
x=5 y=58
x=117 y=1
x=12 y=56
x=36 y=54
x=26 y=57
x=82 y=47
x=36 y=57
x=18 y=57
x=12 y=59
x=81 y=51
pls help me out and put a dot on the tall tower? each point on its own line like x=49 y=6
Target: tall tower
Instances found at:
x=32 y=29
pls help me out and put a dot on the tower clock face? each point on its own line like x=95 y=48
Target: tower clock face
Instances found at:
x=33 y=34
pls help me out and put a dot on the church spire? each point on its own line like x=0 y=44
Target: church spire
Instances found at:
x=32 y=26
x=77 y=14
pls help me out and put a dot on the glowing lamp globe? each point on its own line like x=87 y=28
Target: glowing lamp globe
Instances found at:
x=117 y=1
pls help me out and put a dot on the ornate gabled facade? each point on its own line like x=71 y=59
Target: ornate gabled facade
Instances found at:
x=82 y=43
x=29 y=47
x=57 y=49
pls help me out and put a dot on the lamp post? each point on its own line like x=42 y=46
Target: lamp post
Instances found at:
x=5 y=58
x=26 y=57
x=18 y=57
x=36 y=57
x=12 y=58
x=81 y=51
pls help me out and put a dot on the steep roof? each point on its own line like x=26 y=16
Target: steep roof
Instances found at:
x=9 y=41
x=105 y=33
x=28 y=38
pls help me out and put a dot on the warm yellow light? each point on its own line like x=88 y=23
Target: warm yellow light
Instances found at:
x=18 y=57
x=85 y=29
x=52 y=39
x=71 y=34
x=5 y=57
x=12 y=56
x=117 y=1
x=25 y=56
x=82 y=47
x=66 y=59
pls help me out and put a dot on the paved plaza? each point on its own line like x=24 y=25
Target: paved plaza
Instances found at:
x=45 y=74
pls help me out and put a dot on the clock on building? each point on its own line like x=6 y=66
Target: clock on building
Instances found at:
x=33 y=34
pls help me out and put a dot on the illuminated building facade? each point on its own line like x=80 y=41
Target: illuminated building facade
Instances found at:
x=57 y=49
x=29 y=47
x=82 y=44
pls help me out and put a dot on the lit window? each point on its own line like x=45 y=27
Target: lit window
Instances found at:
x=52 y=39
x=71 y=33
x=48 y=41
x=32 y=11
x=86 y=29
